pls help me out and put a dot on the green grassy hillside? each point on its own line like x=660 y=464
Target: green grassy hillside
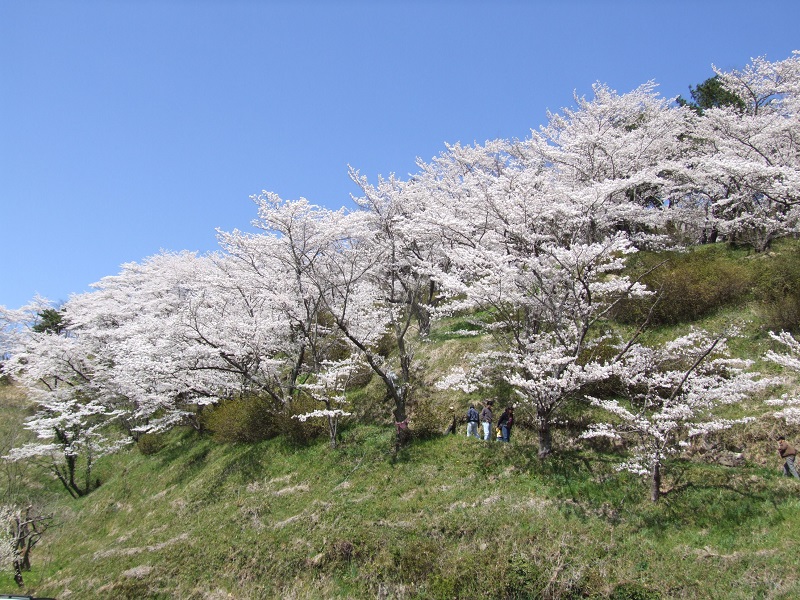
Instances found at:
x=448 y=517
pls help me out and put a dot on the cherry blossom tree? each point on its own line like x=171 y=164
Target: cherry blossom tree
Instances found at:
x=627 y=142
x=20 y=531
x=71 y=423
x=347 y=277
x=742 y=165
x=670 y=394
x=57 y=370
x=179 y=332
x=539 y=257
x=280 y=265
x=138 y=323
x=546 y=317
x=411 y=248
x=366 y=273
x=789 y=404
x=16 y=323
x=328 y=387
x=241 y=329
x=286 y=263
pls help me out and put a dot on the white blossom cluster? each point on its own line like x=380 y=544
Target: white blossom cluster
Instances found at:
x=788 y=403
x=328 y=414
x=672 y=394
x=7 y=545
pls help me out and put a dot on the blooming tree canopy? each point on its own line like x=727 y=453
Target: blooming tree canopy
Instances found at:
x=670 y=394
x=789 y=404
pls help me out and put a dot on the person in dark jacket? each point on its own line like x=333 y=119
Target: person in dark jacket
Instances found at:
x=788 y=453
x=472 y=422
x=505 y=422
x=486 y=419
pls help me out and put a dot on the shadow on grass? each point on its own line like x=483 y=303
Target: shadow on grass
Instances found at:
x=715 y=497
x=177 y=444
x=694 y=495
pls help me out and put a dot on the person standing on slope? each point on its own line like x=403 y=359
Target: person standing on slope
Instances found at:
x=788 y=453
x=505 y=422
x=472 y=422
x=486 y=420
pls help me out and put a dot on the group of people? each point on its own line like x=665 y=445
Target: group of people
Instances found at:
x=501 y=432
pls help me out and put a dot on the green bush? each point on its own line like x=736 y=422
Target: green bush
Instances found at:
x=782 y=314
x=150 y=443
x=694 y=284
x=426 y=420
x=300 y=432
x=251 y=419
x=690 y=285
x=778 y=287
x=244 y=419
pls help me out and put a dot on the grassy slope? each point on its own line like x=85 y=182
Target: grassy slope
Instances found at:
x=450 y=518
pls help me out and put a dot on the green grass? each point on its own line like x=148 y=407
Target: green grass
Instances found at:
x=447 y=518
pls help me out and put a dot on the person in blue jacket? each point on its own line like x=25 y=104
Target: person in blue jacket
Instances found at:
x=472 y=421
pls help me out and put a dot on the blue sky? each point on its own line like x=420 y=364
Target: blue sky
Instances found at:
x=131 y=126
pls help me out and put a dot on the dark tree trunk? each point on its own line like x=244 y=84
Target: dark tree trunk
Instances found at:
x=18 y=574
x=545 y=435
x=423 y=319
x=332 y=431
x=655 y=484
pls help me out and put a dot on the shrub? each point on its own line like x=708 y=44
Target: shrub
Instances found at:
x=782 y=314
x=778 y=286
x=296 y=431
x=251 y=419
x=691 y=285
x=426 y=421
x=243 y=419
x=150 y=443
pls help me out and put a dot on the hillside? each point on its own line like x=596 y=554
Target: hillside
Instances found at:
x=451 y=518
x=185 y=516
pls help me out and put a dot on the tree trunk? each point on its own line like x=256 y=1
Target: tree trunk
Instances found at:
x=18 y=574
x=332 y=427
x=63 y=479
x=545 y=437
x=423 y=319
x=655 y=485
x=88 y=481
x=398 y=394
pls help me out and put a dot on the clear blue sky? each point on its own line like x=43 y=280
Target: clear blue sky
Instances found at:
x=130 y=126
